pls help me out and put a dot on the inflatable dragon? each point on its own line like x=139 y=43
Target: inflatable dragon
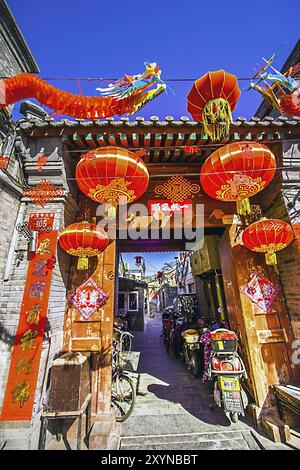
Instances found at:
x=126 y=96
x=284 y=93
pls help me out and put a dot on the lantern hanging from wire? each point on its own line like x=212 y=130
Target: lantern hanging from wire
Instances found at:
x=238 y=171
x=138 y=260
x=112 y=176
x=211 y=100
x=268 y=236
x=83 y=240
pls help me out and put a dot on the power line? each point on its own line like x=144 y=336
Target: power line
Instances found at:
x=106 y=79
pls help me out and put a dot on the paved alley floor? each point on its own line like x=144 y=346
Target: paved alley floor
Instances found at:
x=174 y=410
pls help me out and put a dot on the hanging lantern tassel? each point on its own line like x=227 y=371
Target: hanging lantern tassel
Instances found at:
x=217 y=118
x=243 y=206
x=82 y=263
x=271 y=258
x=110 y=211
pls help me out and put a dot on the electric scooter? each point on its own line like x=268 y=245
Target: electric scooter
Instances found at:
x=227 y=370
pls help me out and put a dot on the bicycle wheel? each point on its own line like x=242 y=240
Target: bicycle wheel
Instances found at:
x=123 y=396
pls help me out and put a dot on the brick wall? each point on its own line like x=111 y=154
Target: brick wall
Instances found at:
x=26 y=435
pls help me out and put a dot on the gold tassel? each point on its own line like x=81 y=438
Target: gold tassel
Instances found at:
x=83 y=263
x=271 y=257
x=110 y=212
x=216 y=118
x=243 y=206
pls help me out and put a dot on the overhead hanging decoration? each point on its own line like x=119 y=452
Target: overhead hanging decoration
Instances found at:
x=3 y=162
x=284 y=93
x=211 y=100
x=41 y=162
x=112 y=176
x=83 y=240
x=126 y=96
x=238 y=171
x=177 y=189
x=268 y=236
x=261 y=291
x=87 y=298
x=191 y=150
x=43 y=193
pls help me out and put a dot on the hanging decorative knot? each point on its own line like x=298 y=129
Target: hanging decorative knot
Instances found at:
x=43 y=193
x=177 y=188
x=87 y=298
x=261 y=291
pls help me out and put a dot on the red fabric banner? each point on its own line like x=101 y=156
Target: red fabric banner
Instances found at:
x=24 y=367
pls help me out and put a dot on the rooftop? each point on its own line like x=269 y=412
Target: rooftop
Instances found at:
x=164 y=140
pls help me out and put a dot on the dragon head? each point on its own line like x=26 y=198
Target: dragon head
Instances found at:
x=135 y=88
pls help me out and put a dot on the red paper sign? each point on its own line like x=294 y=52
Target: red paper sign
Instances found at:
x=24 y=366
x=168 y=207
x=41 y=221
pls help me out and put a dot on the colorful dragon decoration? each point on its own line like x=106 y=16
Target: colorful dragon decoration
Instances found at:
x=126 y=96
x=284 y=93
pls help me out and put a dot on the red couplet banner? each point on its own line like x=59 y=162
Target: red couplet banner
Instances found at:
x=24 y=367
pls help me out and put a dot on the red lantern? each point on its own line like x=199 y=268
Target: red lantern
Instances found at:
x=3 y=162
x=84 y=240
x=138 y=260
x=211 y=100
x=112 y=175
x=268 y=236
x=42 y=160
x=238 y=171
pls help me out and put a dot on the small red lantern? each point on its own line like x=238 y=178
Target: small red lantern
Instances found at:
x=112 y=176
x=211 y=100
x=191 y=150
x=84 y=240
x=3 y=162
x=138 y=260
x=268 y=236
x=41 y=161
x=238 y=171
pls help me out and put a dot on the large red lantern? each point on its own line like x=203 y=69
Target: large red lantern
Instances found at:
x=238 y=171
x=268 y=236
x=84 y=240
x=211 y=100
x=112 y=176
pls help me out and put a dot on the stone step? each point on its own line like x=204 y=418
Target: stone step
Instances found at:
x=231 y=440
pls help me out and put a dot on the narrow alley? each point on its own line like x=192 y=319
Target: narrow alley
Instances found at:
x=173 y=409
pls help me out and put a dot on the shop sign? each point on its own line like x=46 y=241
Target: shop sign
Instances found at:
x=167 y=207
x=25 y=360
x=41 y=221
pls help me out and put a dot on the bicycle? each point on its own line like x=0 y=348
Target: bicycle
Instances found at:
x=123 y=389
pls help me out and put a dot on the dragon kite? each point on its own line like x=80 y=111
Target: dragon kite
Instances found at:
x=126 y=96
x=284 y=93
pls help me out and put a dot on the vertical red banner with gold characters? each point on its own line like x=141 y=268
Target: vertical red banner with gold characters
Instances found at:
x=25 y=360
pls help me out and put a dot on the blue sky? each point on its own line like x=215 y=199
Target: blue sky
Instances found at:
x=95 y=38
x=154 y=261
